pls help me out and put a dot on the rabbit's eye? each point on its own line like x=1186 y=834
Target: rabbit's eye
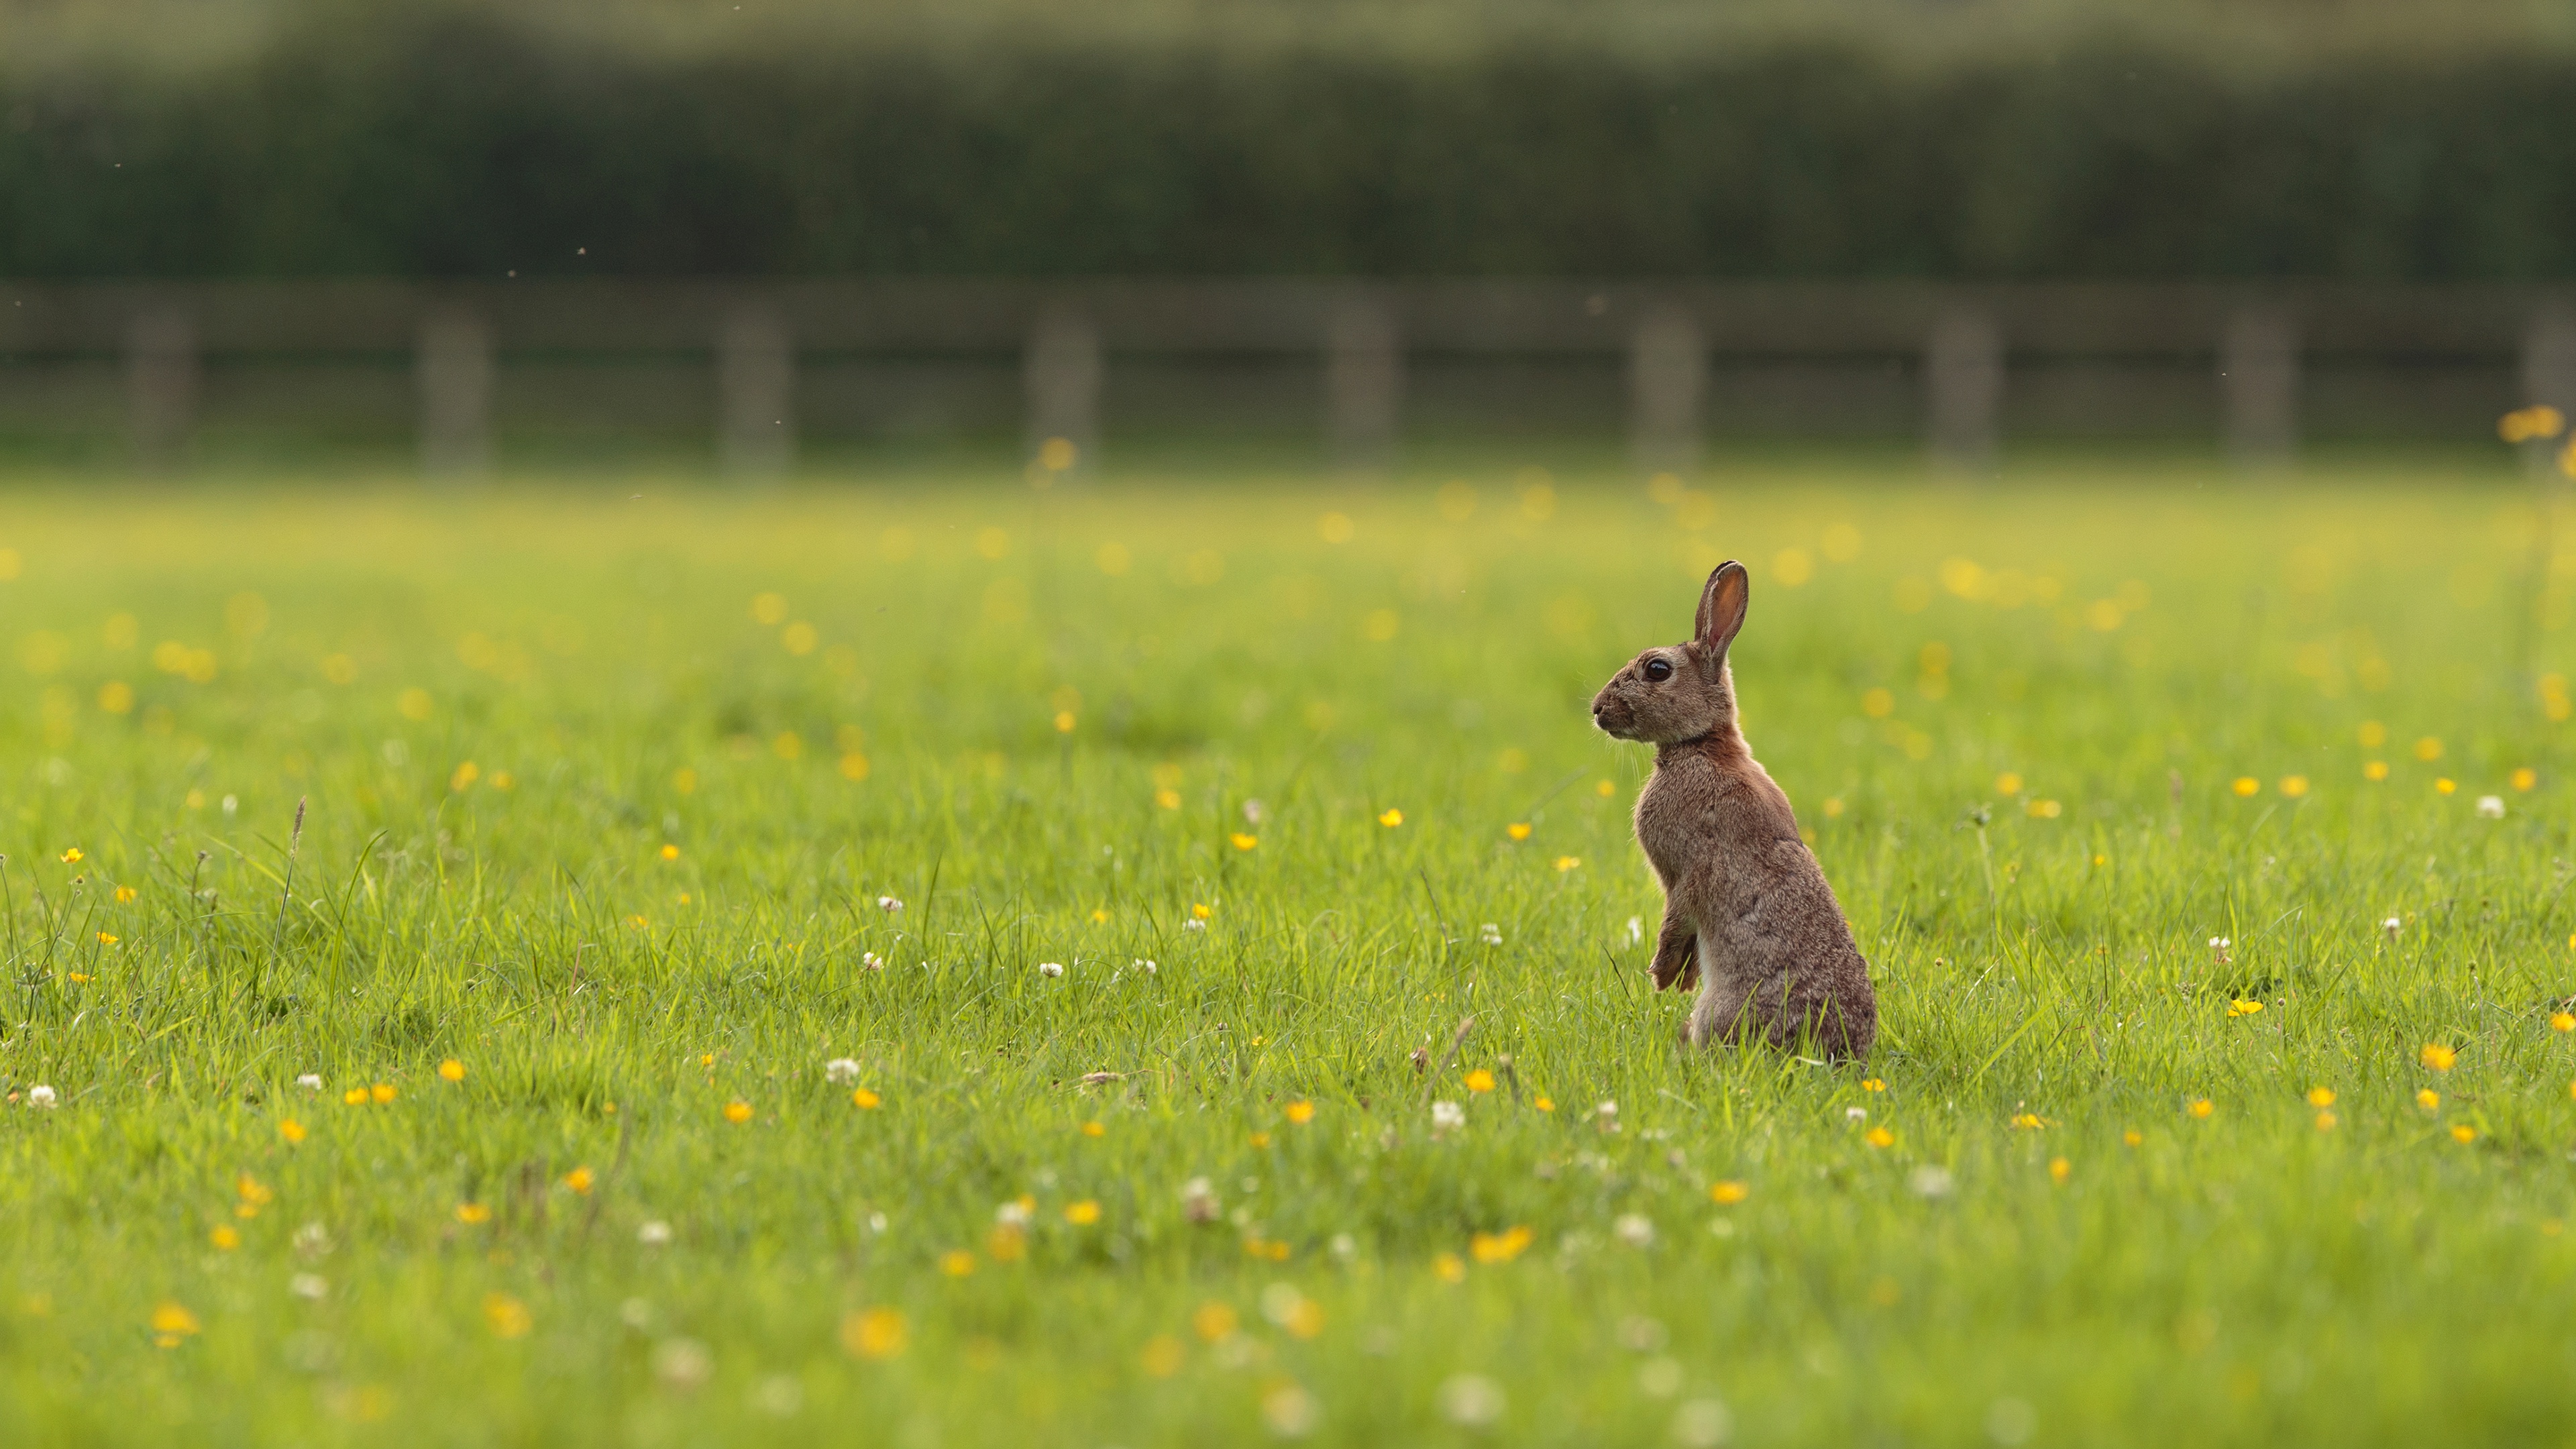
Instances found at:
x=1659 y=670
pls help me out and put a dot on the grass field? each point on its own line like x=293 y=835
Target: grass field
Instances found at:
x=607 y=794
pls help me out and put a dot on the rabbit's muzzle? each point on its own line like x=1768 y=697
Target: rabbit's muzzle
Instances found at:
x=1613 y=716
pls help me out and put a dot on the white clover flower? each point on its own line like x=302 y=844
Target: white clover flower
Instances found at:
x=2391 y=926
x=654 y=1233
x=40 y=1095
x=1145 y=966
x=1050 y=968
x=1855 y=1114
x=1254 y=812
x=682 y=1363
x=841 y=1071
x=310 y=1081
x=1194 y=924
x=1636 y=930
x=1471 y=1400
x=871 y=961
x=889 y=905
x=2491 y=807
x=312 y=1287
x=1930 y=1181
x=1490 y=934
x=1635 y=1229
x=2219 y=946
x=1198 y=1200
x=1012 y=1214
x=1447 y=1115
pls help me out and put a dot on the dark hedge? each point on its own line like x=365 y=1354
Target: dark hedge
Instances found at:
x=461 y=147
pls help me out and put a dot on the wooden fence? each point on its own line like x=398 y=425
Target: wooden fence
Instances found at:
x=1959 y=352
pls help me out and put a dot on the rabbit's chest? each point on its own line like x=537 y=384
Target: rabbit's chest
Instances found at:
x=1672 y=825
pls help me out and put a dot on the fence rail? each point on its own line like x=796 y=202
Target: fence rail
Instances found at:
x=1961 y=347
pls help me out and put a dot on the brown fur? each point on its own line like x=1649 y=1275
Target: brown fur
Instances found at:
x=1748 y=915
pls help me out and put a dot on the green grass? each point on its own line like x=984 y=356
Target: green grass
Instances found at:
x=2244 y=1277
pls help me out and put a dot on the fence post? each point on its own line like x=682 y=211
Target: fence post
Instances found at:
x=2549 y=360
x=161 y=381
x=2258 y=377
x=1963 y=385
x=454 y=371
x=755 y=394
x=1063 y=375
x=1363 y=383
x=1667 y=372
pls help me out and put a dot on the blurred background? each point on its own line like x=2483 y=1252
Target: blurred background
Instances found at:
x=754 y=238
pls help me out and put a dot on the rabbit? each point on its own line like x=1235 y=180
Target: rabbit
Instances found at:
x=1748 y=915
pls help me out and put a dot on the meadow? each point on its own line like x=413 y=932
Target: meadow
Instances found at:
x=918 y=959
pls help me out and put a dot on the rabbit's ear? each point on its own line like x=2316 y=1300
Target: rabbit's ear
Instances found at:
x=1721 y=606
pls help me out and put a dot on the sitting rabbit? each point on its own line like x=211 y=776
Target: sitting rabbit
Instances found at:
x=1747 y=912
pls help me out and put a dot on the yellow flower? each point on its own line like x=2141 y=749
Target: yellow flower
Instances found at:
x=1603 y=788
x=2562 y=1021
x=105 y=939
x=2374 y=771
x=1879 y=1137
x=1450 y=1267
x=72 y=856
x=865 y=1100
x=1390 y=818
x=1300 y=1111
x=737 y=1112
x=291 y=1130
x=2243 y=1007
x=2326 y=1121
x=2247 y=785
x=451 y=1070
x=2439 y=1057
x=670 y=852
x=1260 y=1139
x=1100 y=915
x=1163 y=1356
x=1065 y=721
x=1728 y=1193
x=1480 y=1080
x=226 y=1237
x=1499 y=1247
x=355 y=1096
x=2044 y=809
x=2446 y=785
x=2028 y=1121
x=2523 y=779
x=1568 y=862
x=2428 y=749
x=2321 y=1096
x=957 y=1262
x=2429 y=1100
x=579 y=1180
x=1244 y=842
x=508 y=1317
x=1007 y=1242
x=465 y=776
x=2294 y=786
x=251 y=1190
x=1082 y=1214
x=78 y=978
x=2008 y=783
x=381 y=1093
x=1518 y=830
x=1833 y=807
x=2059 y=1169
x=1168 y=799
x=1213 y=1322
x=1872 y=1084
x=1544 y=1104
x=470 y=1213
x=875 y=1333
x=172 y=1322
x=124 y=895
x=2201 y=1107
x=2132 y=1137
x=2463 y=1132
x=1200 y=911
